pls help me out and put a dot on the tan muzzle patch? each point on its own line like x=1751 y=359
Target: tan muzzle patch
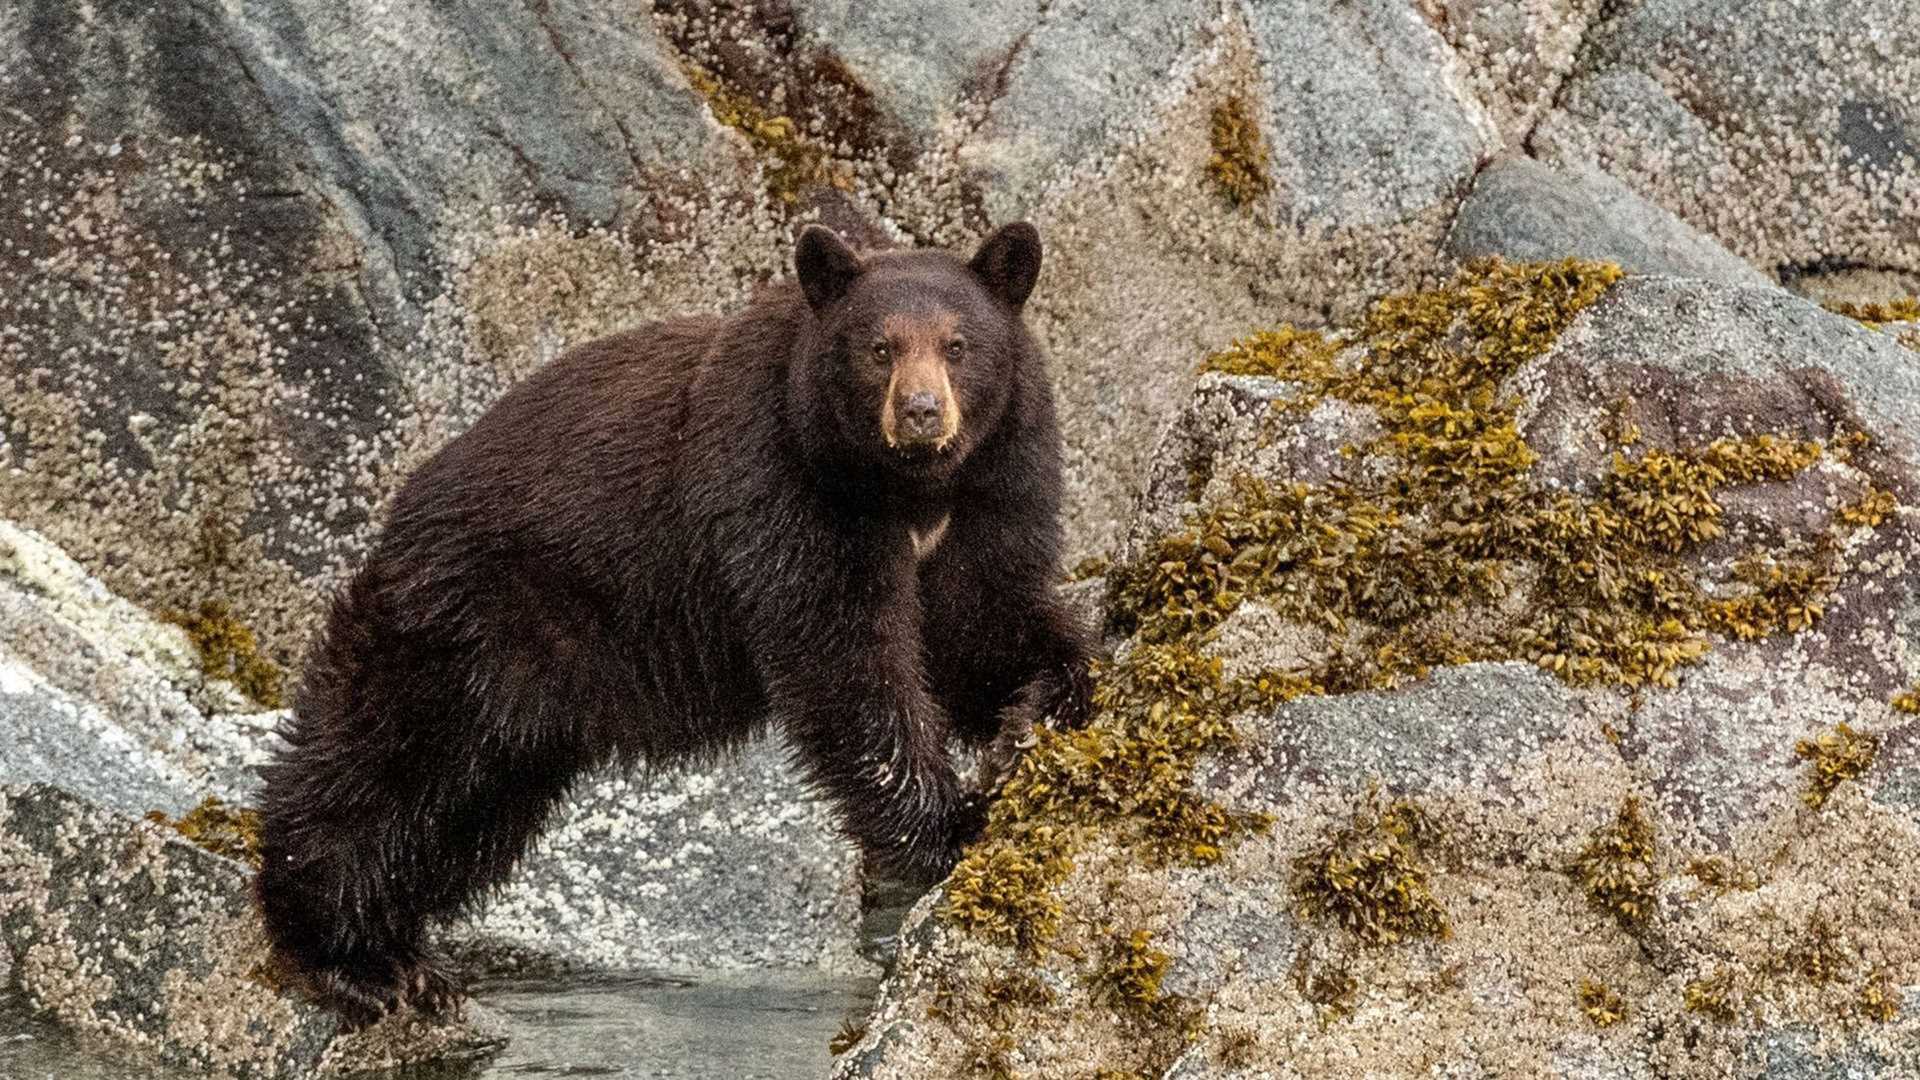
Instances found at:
x=920 y=408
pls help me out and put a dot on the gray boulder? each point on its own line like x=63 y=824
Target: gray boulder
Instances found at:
x=1787 y=133
x=1523 y=209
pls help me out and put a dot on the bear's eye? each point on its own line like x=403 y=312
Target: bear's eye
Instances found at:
x=956 y=349
x=882 y=351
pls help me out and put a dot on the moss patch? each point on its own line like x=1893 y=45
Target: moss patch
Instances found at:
x=228 y=831
x=1238 y=167
x=228 y=650
x=1835 y=757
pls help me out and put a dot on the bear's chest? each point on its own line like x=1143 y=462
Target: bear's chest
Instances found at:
x=924 y=537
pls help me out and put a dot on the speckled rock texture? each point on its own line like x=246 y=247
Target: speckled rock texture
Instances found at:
x=281 y=256
x=101 y=698
x=134 y=937
x=259 y=258
x=1765 y=924
x=730 y=868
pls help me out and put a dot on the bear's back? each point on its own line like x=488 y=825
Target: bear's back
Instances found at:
x=585 y=445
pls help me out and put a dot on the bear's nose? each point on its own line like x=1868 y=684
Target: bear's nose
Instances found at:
x=920 y=414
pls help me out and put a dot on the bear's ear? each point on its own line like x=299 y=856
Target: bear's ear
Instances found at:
x=825 y=265
x=1009 y=262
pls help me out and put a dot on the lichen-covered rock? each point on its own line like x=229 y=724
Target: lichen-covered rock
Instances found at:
x=1523 y=209
x=1788 y=132
x=1513 y=685
x=129 y=934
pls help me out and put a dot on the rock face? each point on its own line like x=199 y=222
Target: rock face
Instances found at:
x=1519 y=671
x=129 y=934
x=1789 y=134
x=108 y=701
x=282 y=258
x=731 y=868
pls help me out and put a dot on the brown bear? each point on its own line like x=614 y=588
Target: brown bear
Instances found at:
x=835 y=513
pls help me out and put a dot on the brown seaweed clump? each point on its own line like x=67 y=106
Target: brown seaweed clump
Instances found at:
x=1899 y=309
x=1617 y=866
x=1602 y=1006
x=1369 y=878
x=1238 y=167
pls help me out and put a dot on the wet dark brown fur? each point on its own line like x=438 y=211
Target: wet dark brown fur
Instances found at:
x=654 y=548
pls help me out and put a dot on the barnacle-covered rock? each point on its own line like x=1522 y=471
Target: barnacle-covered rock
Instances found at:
x=1788 y=133
x=1480 y=680
x=1521 y=208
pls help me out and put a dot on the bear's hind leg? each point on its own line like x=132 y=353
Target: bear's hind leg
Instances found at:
x=402 y=804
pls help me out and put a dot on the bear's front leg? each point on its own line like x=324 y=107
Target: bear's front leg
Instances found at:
x=1006 y=653
x=852 y=699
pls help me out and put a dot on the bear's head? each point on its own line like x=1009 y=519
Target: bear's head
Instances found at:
x=912 y=356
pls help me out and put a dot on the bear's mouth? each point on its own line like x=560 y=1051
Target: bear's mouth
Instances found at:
x=924 y=446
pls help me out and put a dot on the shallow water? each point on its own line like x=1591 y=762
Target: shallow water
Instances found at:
x=733 y=1028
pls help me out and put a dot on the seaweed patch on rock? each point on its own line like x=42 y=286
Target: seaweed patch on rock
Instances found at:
x=1238 y=167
